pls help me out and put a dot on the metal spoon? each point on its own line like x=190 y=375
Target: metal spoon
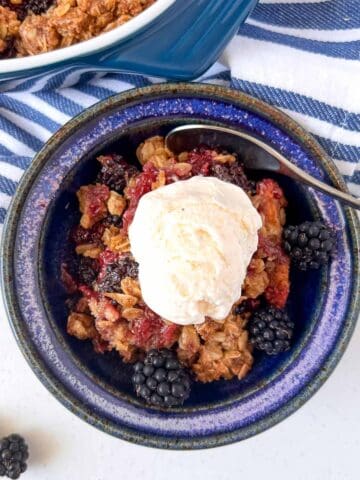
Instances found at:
x=255 y=153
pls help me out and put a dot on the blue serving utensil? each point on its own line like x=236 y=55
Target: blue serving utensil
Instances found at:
x=184 y=42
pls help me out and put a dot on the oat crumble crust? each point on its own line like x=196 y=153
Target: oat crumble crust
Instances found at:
x=65 y=23
x=212 y=350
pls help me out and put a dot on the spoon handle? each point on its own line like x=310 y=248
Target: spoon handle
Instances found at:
x=288 y=168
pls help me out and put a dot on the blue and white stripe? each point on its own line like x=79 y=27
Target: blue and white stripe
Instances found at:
x=301 y=56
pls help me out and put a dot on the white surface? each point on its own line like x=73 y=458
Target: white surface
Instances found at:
x=319 y=442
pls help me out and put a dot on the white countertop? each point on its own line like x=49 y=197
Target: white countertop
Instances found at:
x=319 y=442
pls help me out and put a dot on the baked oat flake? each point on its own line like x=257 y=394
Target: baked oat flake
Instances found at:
x=30 y=27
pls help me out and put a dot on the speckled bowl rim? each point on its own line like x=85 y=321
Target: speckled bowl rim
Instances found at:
x=48 y=378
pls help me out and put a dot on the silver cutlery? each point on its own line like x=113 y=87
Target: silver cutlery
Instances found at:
x=254 y=152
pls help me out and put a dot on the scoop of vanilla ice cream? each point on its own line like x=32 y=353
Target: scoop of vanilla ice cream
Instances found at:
x=194 y=240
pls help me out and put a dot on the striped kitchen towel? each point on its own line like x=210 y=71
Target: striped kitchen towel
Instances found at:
x=301 y=56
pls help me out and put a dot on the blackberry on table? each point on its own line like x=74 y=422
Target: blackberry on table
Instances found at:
x=13 y=455
x=160 y=379
x=271 y=330
x=309 y=244
x=115 y=172
x=125 y=266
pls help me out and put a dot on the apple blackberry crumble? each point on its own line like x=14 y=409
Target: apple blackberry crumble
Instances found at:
x=29 y=27
x=182 y=267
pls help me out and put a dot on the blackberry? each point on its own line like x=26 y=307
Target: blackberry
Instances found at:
x=94 y=234
x=252 y=187
x=125 y=266
x=87 y=270
x=23 y=7
x=160 y=380
x=248 y=305
x=10 y=50
x=37 y=6
x=115 y=172
x=309 y=244
x=13 y=455
x=231 y=173
x=115 y=220
x=271 y=330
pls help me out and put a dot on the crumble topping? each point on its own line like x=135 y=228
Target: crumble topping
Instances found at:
x=112 y=313
x=30 y=27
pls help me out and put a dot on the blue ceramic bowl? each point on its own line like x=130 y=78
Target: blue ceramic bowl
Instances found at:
x=177 y=39
x=324 y=305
